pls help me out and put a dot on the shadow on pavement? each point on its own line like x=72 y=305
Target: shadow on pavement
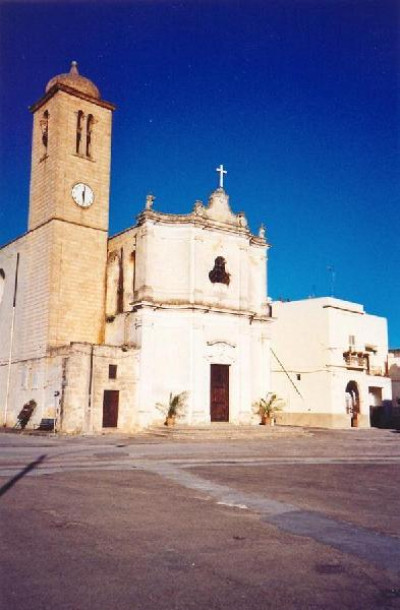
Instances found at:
x=21 y=474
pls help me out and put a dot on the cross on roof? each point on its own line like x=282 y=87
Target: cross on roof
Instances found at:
x=221 y=172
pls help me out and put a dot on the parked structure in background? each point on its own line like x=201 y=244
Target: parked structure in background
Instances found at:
x=330 y=362
x=98 y=330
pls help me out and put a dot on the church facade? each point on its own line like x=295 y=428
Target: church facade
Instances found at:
x=99 y=331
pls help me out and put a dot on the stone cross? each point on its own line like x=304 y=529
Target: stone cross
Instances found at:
x=221 y=171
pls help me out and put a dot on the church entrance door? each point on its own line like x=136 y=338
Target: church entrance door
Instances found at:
x=219 y=392
x=110 y=408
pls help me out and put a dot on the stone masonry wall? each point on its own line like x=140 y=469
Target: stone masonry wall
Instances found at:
x=53 y=175
x=87 y=376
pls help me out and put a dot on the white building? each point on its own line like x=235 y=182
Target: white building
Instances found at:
x=394 y=374
x=329 y=362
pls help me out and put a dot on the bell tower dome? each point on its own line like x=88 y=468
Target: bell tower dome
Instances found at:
x=76 y=81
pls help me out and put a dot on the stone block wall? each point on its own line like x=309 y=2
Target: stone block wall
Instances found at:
x=87 y=377
x=53 y=174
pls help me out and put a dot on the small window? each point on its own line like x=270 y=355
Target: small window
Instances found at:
x=79 y=129
x=44 y=127
x=352 y=340
x=2 y=283
x=89 y=127
x=112 y=371
x=219 y=274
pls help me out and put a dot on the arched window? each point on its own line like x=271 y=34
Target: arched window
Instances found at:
x=44 y=127
x=79 y=129
x=2 y=283
x=89 y=127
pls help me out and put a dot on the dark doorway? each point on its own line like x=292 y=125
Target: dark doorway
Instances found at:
x=219 y=392
x=353 y=402
x=110 y=408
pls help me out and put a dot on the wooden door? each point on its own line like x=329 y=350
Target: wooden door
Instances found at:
x=110 y=408
x=219 y=392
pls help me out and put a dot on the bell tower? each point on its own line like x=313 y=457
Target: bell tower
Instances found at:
x=71 y=145
x=69 y=203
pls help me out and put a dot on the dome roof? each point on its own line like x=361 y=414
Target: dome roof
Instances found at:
x=74 y=80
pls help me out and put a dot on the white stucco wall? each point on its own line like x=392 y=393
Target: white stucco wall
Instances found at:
x=394 y=373
x=176 y=349
x=310 y=339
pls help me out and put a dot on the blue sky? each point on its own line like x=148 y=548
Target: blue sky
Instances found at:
x=299 y=100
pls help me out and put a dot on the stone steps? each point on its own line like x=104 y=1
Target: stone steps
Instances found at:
x=222 y=431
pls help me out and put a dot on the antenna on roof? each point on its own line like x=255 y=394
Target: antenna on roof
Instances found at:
x=332 y=272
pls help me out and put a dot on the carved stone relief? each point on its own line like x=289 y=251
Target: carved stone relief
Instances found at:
x=221 y=352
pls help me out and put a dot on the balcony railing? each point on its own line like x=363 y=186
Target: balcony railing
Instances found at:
x=361 y=361
x=356 y=360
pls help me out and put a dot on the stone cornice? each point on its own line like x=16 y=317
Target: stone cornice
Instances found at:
x=70 y=91
x=201 y=222
x=200 y=307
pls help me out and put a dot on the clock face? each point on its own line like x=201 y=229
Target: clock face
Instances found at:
x=82 y=194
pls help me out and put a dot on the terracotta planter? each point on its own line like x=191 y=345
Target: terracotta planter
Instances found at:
x=266 y=420
x=170 y=421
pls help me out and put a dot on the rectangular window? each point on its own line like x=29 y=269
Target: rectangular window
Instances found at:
x=352 y=340
x=112 y=371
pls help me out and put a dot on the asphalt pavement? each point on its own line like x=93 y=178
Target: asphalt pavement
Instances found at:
x=119 y=522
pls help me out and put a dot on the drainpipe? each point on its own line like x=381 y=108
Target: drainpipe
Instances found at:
x=90 y=390
x=11 y=341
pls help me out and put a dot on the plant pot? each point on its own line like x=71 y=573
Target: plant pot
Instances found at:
x=266 y=420
x=170 y=421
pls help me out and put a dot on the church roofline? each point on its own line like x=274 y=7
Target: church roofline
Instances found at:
x=132 y=228
x=200 y=222
x=70 y=91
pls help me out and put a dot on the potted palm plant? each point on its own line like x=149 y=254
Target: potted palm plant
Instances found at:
x=174 y=408
x=267 y=407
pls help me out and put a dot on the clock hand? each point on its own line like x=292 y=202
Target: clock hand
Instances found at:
x=83 y=194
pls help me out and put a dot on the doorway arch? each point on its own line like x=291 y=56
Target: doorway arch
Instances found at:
x=353 y=402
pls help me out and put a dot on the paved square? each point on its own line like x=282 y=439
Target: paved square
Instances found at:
x=143 y=523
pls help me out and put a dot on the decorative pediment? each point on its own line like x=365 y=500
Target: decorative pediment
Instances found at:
x=221 y=352
x=216 y=213
x=219 y=210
